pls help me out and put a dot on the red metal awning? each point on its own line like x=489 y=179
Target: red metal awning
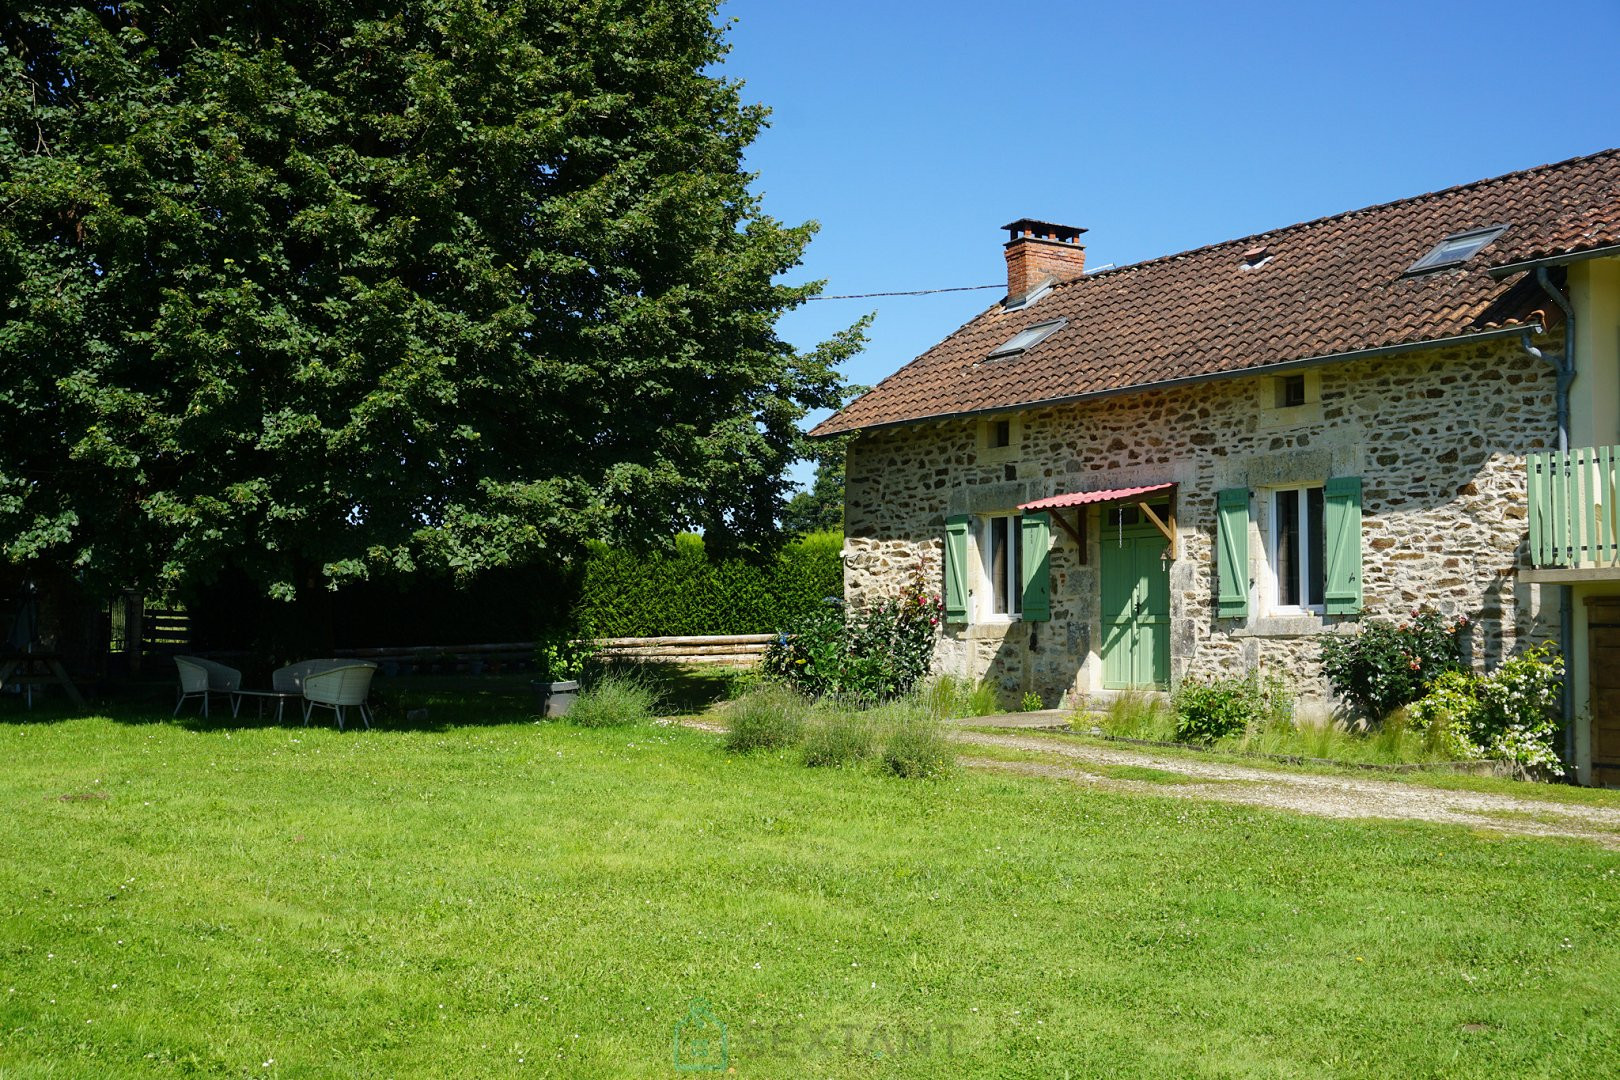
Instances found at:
x=1082 y=498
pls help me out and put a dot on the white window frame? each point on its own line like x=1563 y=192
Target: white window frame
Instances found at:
x=984 y=601
x=1307 y=547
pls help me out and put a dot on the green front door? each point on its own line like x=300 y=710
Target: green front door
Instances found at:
x=1135 y=610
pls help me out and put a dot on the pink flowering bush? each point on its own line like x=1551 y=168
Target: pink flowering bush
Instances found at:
x=1386 y=665
x=874 y=654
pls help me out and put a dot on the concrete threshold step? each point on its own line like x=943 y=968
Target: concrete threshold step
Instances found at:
x=1043 y=720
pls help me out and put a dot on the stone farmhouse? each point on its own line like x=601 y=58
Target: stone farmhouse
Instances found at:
x=1197 y=465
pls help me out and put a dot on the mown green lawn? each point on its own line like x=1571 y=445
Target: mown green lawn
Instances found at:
x=523 y=899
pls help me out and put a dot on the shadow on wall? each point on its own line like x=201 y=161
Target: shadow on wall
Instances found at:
x=1043 y=658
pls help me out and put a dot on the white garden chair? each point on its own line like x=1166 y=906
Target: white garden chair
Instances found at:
x=201 y=678
x=290 y=679
x=338 y=688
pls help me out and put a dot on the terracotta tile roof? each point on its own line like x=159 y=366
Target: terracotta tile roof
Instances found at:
x=1331 y=286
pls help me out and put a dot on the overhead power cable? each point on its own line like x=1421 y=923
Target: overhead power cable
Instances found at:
x=909 y=292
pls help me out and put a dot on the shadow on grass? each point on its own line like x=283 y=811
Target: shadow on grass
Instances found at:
x=398 y=703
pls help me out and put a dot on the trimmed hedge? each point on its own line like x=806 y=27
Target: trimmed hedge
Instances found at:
x=683 y=592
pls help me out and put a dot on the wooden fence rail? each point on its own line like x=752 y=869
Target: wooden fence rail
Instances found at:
x=735 y=650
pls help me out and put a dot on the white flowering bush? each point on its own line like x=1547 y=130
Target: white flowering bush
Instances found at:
x=1519 y=709
x=1510 y=714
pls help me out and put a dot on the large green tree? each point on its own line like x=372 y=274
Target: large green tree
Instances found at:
x=820 y=508
x=332 y=289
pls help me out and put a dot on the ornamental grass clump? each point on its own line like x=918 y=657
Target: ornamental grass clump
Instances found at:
x=915 y=745
x=615 y=699
x=1130 y=714
x=767 y=717
x=836 y=737
x=951 y=698
x=1386 y=665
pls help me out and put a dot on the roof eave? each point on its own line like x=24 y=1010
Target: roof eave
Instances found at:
x=1170 y=384
x=1562 y=259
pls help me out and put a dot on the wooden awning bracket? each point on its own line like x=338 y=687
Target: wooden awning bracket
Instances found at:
x=1077 y=530
x=1169 y=530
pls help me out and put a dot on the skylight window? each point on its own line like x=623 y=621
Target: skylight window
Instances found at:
x=1025 y=340
x=1456 y=249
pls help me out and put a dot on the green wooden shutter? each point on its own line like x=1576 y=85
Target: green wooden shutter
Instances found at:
x=1232 y=552
x=956 y=577
x=1341 y=527
x=1036 y=533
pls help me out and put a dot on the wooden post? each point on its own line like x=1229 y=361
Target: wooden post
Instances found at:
x=134 y=618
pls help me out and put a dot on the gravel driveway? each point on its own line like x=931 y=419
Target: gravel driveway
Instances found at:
x=1302 y=793
x=1305 y=793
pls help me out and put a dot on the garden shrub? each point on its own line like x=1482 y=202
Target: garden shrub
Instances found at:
x=811 y=654
x=767 y=717
x=1384 y=665
x=839 y=736
x=915 y=745
x=1510 y=714
x=613 y=700
x=1446 y=714
x=565 y=656
x=876 y=654
x=1207 y=711
x=682 y=591
x=1519 y=703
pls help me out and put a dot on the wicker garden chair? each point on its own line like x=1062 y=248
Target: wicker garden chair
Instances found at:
x=290 y=679
x=201 y=678
x=337 y=688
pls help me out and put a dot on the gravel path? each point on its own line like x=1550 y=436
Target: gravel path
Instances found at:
x=1305 y=793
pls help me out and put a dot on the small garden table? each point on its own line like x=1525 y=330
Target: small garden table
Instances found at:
x=281 y=697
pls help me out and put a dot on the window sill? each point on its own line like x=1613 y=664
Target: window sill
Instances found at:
x=993 y=628
x=1289 y=416
x=1285 y=626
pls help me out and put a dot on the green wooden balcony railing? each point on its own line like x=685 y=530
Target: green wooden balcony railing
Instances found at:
x=1573 y=511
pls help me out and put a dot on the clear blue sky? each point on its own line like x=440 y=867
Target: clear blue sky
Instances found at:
x=911 y=131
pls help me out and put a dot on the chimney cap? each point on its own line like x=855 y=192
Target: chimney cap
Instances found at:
x=1031 y=229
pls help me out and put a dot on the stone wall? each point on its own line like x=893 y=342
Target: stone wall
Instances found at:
x=1438 y=438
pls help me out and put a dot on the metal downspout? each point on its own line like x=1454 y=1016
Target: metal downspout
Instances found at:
x=1565 y=368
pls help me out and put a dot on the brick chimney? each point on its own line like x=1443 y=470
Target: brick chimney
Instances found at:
x=1037 y=250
